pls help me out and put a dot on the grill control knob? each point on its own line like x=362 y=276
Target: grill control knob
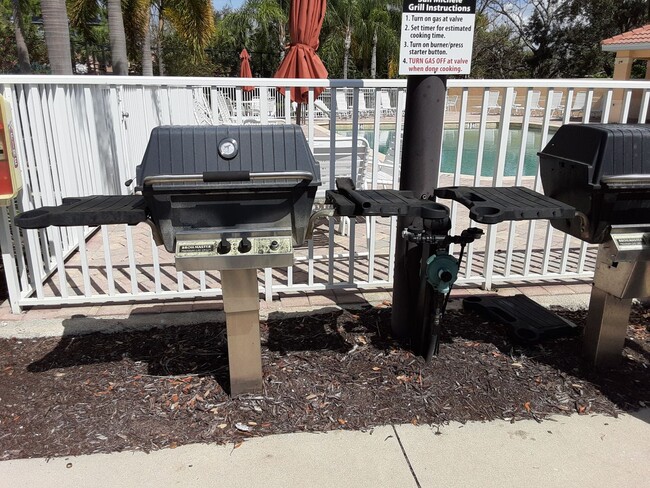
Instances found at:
x=274 y=245
x=223 y=247
x=244 y=246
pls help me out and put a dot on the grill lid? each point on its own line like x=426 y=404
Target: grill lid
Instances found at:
x=603 y=171
x=200 y=150
x=605 y=149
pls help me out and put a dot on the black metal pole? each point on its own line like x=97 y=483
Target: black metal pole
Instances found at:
x=422 y=145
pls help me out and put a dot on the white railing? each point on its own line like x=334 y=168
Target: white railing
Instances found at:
x=80 y=136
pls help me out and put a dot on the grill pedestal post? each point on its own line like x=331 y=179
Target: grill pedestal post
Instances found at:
x=242 y=307
x=621 y=274
x=605 y=328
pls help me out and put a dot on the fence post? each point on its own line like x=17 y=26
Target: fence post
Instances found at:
x=497 y=180
x=9 y=262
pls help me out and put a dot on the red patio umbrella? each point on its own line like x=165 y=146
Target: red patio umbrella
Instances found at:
x=245 y=68
x=301 y=61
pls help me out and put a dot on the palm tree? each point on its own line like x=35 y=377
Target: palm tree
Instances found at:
x=57 y=36
x=129 y=20
x=136 y=15
x=193 y=21
x=260 y=26
x=378 y=29
x=344 y=14
x=84 y=14
x=24 y=65
x=119 y=58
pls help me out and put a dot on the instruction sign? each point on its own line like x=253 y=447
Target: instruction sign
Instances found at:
x=437 y=37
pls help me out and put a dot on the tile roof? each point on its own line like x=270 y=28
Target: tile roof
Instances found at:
x=638 y=36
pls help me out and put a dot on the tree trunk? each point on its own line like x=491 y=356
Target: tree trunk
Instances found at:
x=57 y=36
x=373 y=58
x=24 y=65
x=147 y=63
x=346 y=55
x=282 y=37
x=119 y=58
x=161 y=27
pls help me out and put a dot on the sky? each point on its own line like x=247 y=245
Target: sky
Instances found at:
x=219 y=4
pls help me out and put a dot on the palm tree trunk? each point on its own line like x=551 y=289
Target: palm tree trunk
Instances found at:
x=24 y=65
x=161 y=27
x=346 y=55
x=373 y=58
x=119 y=58
x=57 y=36
x=282 y=36
x=147 y=63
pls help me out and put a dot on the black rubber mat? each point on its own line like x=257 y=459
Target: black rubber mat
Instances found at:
x=528 y=321
x=493 y=205
x=94 y=210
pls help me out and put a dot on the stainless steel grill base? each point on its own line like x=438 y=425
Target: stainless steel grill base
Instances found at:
x=605 y=329
x=622 y=273
x=242 y=307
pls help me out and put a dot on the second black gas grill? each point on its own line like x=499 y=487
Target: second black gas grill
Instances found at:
x=604 y=172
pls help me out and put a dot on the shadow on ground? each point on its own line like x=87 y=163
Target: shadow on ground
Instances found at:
x=198 y=349
x=627 y=385
x=201 y=350
x=169 y=351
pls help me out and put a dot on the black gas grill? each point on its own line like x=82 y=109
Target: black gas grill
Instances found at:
x=604 y=172
x=229 y=198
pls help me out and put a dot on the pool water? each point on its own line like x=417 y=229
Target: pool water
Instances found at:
x=470 y=149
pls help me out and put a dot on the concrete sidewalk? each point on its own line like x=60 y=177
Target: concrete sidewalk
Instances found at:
x=594 y=451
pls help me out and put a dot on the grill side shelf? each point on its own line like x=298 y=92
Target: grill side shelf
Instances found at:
x=493 y=205
x=383 y=203
x=350 y=202
x=93 y=210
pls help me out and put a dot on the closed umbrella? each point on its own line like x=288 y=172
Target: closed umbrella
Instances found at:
x=301 y=61
x=245 y=68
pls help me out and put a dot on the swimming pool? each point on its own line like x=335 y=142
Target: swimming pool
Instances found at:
x=470 y=149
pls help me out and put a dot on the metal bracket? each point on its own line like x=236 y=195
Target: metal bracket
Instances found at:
x=155 y=232
x=326 y=211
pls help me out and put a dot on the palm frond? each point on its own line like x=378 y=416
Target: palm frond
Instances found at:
x=82 y=15
x=193 y=21
x=136 y=15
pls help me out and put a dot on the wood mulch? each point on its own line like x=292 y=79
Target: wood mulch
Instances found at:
x=160 y=388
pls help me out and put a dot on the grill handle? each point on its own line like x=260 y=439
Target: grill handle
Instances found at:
x=224 y=176
x=627 y=181
x=219 y=176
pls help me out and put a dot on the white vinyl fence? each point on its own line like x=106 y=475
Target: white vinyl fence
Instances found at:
x=80 y=136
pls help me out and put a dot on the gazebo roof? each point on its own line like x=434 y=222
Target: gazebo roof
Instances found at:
x=633 y=40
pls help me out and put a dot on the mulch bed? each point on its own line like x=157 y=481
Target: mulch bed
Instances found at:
x=165 y=387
